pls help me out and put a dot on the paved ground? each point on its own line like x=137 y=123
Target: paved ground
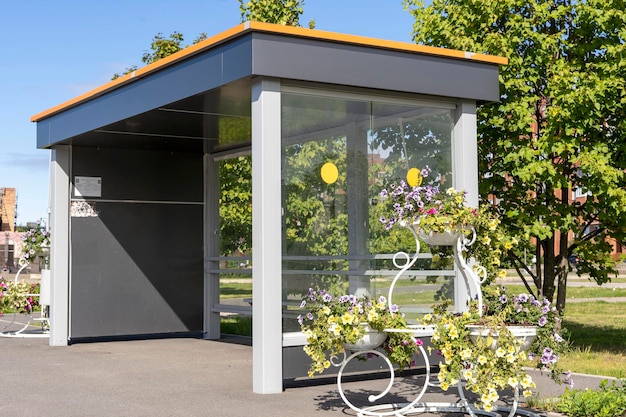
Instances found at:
x=176 y=377
x=172 y=377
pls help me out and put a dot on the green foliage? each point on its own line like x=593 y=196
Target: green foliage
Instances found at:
x=608 y=401
x=236 y=206
x=16 y=296
x=334 y=321
x=281 y=12
x=559 y=125
x=161 y=47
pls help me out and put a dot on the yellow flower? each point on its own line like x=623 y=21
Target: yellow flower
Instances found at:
x=526 y=382
x=326 y=310
x=459 y=199
x=444 y=386
x=511 y=349
x=510 y=358
x=454 y=333
x=482 y=359
x=450 y=191
x=493 y=223
x=372 y=315
x=502 y=274
x=466 y=354
x=436 y=257
x=427 y=318
x=508 y=245
x=500 y=352
x=527 y=393
x=486 y=240
x=513 y=382
x=347 y=318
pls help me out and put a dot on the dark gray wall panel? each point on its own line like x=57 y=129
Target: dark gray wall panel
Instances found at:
x=136 y=269
x=130 y=174
x=358 y=66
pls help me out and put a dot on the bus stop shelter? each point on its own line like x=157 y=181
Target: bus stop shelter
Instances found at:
x=136 y=188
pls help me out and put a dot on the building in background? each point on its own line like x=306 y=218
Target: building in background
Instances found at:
x=8 y=204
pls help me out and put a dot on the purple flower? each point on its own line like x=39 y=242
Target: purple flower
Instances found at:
x=383 y=194
x=503 y=299
x=300 y=319
x=382 y=299
x=548 y=357
x=557 y=338
x=542 y=321
x=545 y=310
x=394 y=308
x=302 y=304
x=309 y=316
x=426 y=171
x=522 y=298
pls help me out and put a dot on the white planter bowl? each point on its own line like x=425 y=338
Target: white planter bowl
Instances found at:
x=526 y=334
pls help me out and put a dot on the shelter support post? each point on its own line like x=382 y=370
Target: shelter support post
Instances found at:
x=59 y=247
x=266 y=237
x=465 y=173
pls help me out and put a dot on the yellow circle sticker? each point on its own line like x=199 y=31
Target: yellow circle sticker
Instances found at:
x=414 y=177
x=329 y=173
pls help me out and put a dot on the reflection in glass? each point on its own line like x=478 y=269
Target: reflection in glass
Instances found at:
x=332 y=236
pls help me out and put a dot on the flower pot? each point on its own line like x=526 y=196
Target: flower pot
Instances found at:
x=370 y=340
x=447 y=238
x=526 y=334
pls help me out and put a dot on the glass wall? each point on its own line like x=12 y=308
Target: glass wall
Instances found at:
x=338 y=153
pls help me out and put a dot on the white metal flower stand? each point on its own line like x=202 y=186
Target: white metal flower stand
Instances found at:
x=19 y=328
x=472 y=280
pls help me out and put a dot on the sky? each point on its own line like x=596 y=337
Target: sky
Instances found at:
x=56 y=50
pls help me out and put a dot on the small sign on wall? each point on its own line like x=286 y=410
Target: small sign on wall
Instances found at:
x=88 y=186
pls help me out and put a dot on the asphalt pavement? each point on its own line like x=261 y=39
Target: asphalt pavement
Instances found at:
x=178 y=377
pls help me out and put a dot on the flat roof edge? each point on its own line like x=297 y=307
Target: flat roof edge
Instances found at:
x=268 y=28
x=375 y=42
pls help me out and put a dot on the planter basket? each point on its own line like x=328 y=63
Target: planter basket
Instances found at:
x=525 y=334
x=371 y=340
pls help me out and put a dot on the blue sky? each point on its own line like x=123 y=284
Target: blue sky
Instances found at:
x=60 y=49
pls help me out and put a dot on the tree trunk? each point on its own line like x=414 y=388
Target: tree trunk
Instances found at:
x=549 y=268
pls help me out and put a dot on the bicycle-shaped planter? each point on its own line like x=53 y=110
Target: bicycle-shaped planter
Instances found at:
x=472 y=280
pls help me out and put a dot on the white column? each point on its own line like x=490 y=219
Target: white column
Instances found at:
x=464 y=173
x=465 y=150
x=266 y=238
x=60 y=244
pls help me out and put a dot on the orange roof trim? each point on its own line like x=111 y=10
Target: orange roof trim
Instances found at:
x=272 y=28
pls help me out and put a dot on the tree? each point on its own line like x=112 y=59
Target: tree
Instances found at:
x=558 y=128
x=161 y=47
x=282 y=12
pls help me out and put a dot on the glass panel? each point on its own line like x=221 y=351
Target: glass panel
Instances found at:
x=235 y=234
x=338 y=154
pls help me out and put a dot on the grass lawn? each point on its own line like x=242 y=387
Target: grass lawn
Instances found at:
x=596 y=329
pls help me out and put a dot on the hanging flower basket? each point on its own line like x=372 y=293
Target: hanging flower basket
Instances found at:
x=447 y=238
x=371 y=340
x=525 y=335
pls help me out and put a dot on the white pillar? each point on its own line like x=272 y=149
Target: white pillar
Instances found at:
x=60 y=244
x=465 y=151
x=464 y=173
x=266 y=238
